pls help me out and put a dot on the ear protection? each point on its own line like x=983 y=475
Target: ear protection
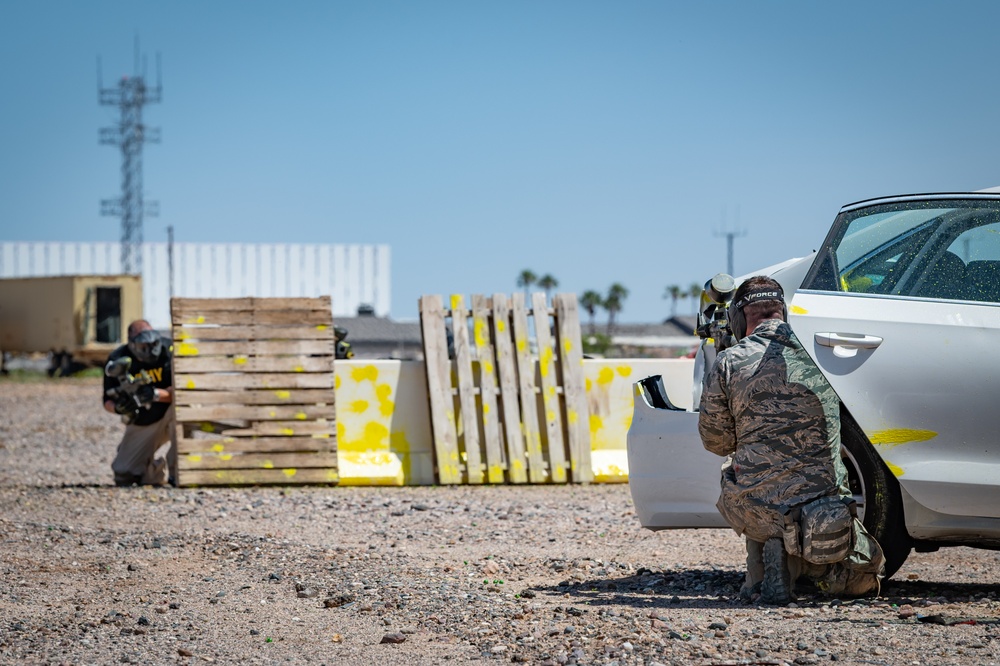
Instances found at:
x=738 y=322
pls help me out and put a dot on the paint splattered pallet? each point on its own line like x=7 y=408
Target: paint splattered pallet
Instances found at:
x=253 y=391
x=507 y=398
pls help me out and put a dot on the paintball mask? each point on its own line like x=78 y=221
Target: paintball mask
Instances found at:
x=738 y=322
x=146 y=346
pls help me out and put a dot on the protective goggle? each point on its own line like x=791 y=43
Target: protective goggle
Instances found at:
x=146 y=346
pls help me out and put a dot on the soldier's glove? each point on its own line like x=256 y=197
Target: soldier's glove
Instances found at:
x=124 y=404
x=145 y=394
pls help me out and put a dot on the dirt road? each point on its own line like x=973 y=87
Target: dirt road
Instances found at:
x=93 y=574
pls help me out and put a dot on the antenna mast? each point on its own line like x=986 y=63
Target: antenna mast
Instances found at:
x=730 y=236
x=130 y=95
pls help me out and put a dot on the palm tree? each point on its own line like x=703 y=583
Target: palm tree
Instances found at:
x=525 y=279
x=590 y=300
x=613 y=303
x=673 y=292
x=548 y=283
x=694 y=293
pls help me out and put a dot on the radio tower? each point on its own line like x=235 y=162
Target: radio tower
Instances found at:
x=730 y=236
x=130 y=95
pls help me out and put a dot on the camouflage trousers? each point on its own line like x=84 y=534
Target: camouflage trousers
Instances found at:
x=860 y=573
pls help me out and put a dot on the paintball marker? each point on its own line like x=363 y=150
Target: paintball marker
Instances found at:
x=713 y=319
x=134 y=392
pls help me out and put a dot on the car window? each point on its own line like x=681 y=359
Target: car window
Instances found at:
x=929 y=249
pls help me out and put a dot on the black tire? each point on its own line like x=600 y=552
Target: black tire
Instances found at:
x=880 y=505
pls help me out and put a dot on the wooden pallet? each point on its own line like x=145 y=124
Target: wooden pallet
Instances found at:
x=499 y=413
x=253 y=391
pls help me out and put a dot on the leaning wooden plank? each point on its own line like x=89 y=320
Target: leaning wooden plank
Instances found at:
x=248 y=477
x=495 y=464
x=256 y=412
x=256 y=444
x=302 y=460
x=466 y=391
x=550 y=397
x=517 y=462
x=241 y=363
x=256 y=397
x=438 y=367
x=526 y=384
x=574 y=391
x=278 y=380
x=253 y=347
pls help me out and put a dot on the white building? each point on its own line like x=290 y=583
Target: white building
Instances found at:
x=352 y=275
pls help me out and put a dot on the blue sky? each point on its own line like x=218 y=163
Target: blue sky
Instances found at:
x=600 y=142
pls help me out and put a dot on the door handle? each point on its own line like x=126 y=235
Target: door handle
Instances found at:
x=849 y=340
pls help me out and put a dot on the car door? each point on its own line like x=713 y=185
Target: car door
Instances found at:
x=901 y=310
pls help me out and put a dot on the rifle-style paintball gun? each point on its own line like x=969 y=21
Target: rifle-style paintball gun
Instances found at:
x=134 y=392
x=713 y=320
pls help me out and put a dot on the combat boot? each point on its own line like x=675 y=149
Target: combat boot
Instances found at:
x=776 y=588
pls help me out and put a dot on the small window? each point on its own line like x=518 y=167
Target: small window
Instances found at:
x=109 y=314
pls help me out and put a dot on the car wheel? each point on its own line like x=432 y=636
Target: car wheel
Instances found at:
x=876 y=491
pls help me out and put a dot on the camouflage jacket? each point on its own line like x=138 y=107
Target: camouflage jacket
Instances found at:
x=769 y=408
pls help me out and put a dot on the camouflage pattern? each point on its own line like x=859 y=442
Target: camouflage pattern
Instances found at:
x=772 y=412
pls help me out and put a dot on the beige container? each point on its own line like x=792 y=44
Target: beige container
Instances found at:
x=84 y=315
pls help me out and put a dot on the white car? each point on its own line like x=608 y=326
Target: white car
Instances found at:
x=900 y=308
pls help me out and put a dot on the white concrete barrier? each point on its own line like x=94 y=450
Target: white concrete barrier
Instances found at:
x=383 y=423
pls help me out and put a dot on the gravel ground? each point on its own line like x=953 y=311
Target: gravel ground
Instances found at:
x=92 y=574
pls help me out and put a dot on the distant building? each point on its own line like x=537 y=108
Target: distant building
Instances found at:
x=373 y=337
x=674 y=337
x=353 y=275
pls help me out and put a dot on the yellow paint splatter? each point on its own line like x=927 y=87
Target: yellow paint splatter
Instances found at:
x=896 y=436
x=545 y=362
x=321 y=327
x=290 y=472
x=341 y=429
x=521 y=344
x=301 y=416
x=587 y=384
x=336 y=381
x=358 y=406
x=495 y=474
x=567 y=345
x=572 y=416
x=478 y=331
x=797 y=309
x=299 y=368
x=487 y=367
x=550 y=416
x=182 y=335
x=283 y=395
x=226 y=456
x=321 y=435
x=895 y=469
x=456 y=301
x=199 y=320
x=287 y=431
x=218 y=448
x=605 y=376
x=502 y=326
x=194 y=457
x=398 y=442
x=190 y=384
x=624 y=370
x=365 y=372
x=206 y=427
x=268 y=464
x=596 y=423
x=239 y=360
x=186 y=349
x=272 y=413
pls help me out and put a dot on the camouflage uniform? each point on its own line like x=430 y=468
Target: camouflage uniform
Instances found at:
x=769 y=408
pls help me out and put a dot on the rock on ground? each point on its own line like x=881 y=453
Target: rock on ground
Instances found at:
x=93 y=574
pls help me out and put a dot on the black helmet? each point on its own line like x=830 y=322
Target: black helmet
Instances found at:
x=146 y=346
